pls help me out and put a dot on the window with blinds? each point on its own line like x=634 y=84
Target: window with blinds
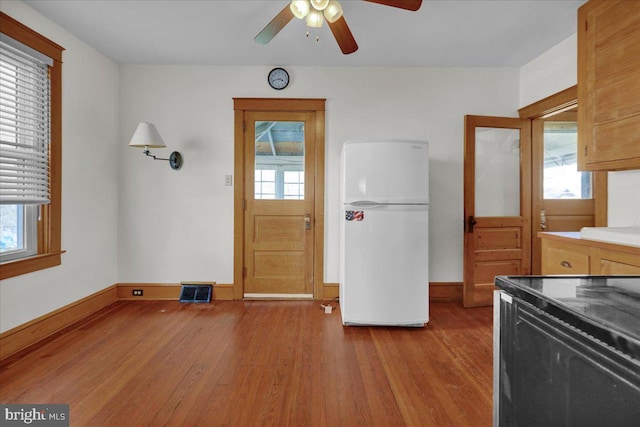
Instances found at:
x=30 y=150
x=24 y=125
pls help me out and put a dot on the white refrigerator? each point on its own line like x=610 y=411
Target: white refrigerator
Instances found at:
x=384 y=233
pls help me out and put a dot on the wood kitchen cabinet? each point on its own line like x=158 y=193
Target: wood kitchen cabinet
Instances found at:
x=567 y=253
x=609 y=85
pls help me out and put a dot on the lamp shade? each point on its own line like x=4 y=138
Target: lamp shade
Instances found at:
x=333 y=11
x=319 y=4
x=300 y=8
x=146 y=135
x=314 y=19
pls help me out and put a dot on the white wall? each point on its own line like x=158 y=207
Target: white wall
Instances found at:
x=624 y=198
x=89 y=181
x=556 y=70
x=553 y=71
x=178 y=225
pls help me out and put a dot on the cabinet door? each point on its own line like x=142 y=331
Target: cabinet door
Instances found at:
x=612 y=263
x=563 y=258
x=608 y=85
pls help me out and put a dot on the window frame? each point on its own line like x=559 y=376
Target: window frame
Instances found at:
x=50 y=220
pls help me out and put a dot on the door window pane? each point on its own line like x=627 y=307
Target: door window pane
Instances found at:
x=279 y=160
x=265 y=183
x=497 y=177
x=294 y=185
x=562 y=180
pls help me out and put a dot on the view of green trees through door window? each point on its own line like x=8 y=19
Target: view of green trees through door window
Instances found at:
x=562 y=180
x=279 y=164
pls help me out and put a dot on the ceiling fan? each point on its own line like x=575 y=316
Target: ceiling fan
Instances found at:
x=315 y=11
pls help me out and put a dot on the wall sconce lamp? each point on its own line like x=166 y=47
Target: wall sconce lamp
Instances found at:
x=147 y=136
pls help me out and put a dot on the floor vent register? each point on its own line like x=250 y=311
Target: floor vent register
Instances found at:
x=195 y=293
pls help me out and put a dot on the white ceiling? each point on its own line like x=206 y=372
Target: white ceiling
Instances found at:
x=220 y=32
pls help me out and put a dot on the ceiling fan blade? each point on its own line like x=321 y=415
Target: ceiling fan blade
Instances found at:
x=343 y=36
x=274 y=27
x=412 y=5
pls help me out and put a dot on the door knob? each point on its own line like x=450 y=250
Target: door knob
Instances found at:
x=307 y=222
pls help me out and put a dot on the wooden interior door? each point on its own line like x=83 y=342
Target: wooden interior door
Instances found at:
x=279 y=205
x=497 y=203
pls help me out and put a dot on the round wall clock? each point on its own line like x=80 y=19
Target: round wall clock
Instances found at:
x=278 y=78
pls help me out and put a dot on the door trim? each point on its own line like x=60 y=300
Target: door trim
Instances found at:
x=241 y=106
x=547 y=107
x=557 y=103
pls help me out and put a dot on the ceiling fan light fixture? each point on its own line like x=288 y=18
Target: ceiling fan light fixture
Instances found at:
x=299 y=8
x=314 y=19
x=333 y=12
x=319 y=4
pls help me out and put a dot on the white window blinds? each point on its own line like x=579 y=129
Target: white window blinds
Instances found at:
x=24 y=125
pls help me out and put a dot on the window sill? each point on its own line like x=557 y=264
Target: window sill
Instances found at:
x=27 y=265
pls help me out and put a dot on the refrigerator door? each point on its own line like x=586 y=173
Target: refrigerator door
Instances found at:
x=386 y=171
x=384 y=267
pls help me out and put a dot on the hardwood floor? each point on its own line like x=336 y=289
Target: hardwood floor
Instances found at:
x=239 y=363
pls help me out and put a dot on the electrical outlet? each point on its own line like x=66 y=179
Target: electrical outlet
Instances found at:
x=137 y=292
x=228 y=180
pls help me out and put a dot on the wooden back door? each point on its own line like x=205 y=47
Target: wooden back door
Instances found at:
x=279 y=198
x=497 y=203
x=278 y=237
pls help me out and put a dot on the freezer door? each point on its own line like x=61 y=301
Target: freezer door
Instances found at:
x=385 y=273
x=385 y=171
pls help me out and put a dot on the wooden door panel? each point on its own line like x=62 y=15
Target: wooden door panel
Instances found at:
x=573 y=207
x=278 y=264
x=485 y=272
x=482 y=295
x=498 y=238
x=569 y=222
x=499 y=254
x=285 y=231
x=279 y=272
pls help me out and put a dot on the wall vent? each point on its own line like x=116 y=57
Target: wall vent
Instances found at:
x=195 y=293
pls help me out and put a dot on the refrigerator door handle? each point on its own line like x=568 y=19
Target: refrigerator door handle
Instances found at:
x=365 y=204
